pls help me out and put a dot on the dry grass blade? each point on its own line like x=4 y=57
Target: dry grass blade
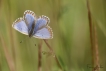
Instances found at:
x=7 y=55
x=93 y=38
x=53 y=54
x=40 y=56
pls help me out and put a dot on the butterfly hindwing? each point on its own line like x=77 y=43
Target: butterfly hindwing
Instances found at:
x=20 y=26
x=44 y=33
x=41 y=22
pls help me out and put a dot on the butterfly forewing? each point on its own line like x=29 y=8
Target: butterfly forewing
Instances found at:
x=20 y=26
x=29 y=17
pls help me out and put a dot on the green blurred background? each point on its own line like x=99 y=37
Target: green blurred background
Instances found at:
x=71 y=40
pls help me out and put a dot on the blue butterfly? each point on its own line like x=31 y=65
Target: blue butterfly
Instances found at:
x=32 y=26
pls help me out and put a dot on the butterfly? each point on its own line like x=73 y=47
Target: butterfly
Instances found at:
x=32 y=26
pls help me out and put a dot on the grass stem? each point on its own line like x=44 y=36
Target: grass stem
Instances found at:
x=40 y=56
x=9 y=59
x=93 y=39
x=53 y=54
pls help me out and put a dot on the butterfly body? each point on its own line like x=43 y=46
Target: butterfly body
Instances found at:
x=31 y=31
x=32 y=26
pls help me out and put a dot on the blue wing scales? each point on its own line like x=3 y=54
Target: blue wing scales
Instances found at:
x=44 y=33
x=20 y=26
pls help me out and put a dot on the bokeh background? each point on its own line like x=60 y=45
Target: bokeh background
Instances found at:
x=71 y=40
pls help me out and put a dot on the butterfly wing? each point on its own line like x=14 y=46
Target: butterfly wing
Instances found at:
x=43 y=19
x=20 y=26
x=41 y=22
x=44 y=33
x=29 y=17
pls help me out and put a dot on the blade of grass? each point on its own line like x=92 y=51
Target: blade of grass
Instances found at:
x=40 y=56
x=53 y=54
x=7 y=55
x=93 y=38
